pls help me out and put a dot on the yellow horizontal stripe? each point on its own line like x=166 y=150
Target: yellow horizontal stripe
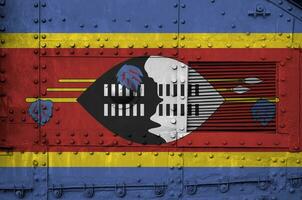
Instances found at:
x=76 y=80
x=66 y=89
x=152 y=159
x=74 y=100
x=250 y=100
x=53 y=99
x=151 y=40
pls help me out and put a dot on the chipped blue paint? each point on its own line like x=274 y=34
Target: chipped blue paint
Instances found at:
x=41 y=111
x=130 y=76
x=263 y=111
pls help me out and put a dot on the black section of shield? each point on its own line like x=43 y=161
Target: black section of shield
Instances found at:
x=134 y=128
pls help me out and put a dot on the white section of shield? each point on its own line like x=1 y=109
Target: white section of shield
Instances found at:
x=166 y=71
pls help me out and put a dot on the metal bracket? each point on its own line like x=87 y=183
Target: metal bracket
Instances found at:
x=191 y=189
x=20 y=192
x=223 y=185
x=88 y=191
x=57 y=191
x=295 y=180
x=159 y=190
x=120 y=191
x=259 y=11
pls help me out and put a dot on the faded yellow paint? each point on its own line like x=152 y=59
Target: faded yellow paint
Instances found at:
x=70 y=80
x=53 y=99
x=151 y=159
x=151 y=40
x=65 y=89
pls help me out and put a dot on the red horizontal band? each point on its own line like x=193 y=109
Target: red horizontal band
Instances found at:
x=25 y=73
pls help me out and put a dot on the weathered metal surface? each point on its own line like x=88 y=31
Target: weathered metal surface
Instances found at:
x=55 y=51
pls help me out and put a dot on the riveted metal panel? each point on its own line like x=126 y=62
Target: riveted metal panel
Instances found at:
x=109 y=36
x=222 y=16
x=288 y=101
x=118 y=182
x=16 y=66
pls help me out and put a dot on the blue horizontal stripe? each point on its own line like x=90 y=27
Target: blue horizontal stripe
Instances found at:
x=156 y=16
x=141 y=183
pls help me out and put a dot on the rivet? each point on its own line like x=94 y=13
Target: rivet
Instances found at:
x=298 y=161
x=35 y=163
x=224 y=143
x=211 y=156
x=210 y=45
x=242 y=158
x=206 y=142
x=139 y=153
x=171 y=154
x=155 y=154
x=107 y=153
x=173 y=121
x=258 y=159
x=259 y=143
x=36 y=36
x=182 y=37
x=242 y=142
x=274 y=160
